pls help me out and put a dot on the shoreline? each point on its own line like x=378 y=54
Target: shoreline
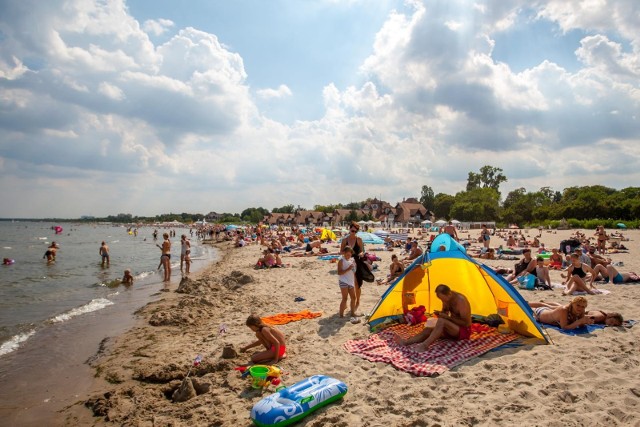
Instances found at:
x=49 y=370
x=572 y=381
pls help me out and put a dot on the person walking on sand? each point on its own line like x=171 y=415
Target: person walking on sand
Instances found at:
x=104 y=253
x=185 y=245
x=271 y=338
x=453 y=321
x=347 y=282
x=165 y=258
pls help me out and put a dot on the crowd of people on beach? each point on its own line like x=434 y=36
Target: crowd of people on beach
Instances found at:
x=582 y=265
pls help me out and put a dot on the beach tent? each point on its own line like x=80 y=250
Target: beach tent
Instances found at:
x=488 y=292
x=449 y=244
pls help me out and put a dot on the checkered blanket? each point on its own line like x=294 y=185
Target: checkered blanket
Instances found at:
x=441 y=356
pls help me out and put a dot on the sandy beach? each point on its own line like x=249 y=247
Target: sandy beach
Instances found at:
x=577 y=380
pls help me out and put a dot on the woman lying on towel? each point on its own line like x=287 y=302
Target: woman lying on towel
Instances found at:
x=567 y=317
x=599 y=317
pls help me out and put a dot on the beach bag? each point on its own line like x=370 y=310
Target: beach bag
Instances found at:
x=528 y=282
x=365 y=273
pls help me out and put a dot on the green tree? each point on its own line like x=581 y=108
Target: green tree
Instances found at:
x=489 y=177
x=353 y=216
x=284 y=209
x=254 y=215
x=428 y=197
x=442 y=205
x=480 y=204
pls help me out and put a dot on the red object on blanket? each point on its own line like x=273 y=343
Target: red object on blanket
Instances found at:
x=415 y=315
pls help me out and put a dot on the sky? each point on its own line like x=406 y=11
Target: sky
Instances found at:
x=150 y=107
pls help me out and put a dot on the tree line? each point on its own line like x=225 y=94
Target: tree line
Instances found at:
x=481 y=200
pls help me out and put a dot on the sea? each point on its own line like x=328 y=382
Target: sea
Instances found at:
x=54 y=316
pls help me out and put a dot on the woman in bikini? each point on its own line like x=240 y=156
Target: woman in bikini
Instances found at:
x=602 y=239
x=598 y=316
x=567 y=317
x=165 y=258
x=271 y=338
x=576 y=274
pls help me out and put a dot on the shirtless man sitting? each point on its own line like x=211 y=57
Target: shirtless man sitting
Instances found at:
x=453 y=321
x=567 y=317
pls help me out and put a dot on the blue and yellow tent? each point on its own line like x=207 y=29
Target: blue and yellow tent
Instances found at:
x=487 y=292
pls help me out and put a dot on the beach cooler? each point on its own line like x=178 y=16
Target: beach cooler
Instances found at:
x=293 y=403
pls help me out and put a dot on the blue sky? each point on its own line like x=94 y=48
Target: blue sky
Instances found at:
x=149 y=107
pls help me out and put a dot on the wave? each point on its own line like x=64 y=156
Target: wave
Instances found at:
x=14 y=342
x=94 y=305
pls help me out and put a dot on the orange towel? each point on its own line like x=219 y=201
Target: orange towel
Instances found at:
x=284 y=318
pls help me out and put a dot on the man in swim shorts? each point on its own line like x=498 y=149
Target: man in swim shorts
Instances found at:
x=610 y=273
x=567 y=317
x=104 y=253
x=453 y=321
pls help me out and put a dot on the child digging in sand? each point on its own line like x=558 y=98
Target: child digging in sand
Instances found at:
x=271 y=338
x=347 y=282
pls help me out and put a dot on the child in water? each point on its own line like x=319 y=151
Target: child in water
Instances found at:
x=187 y=261
x=271 y=338
x=127 y=279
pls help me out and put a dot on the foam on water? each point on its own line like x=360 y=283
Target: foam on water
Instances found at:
x=93 y=305
x=14 y=342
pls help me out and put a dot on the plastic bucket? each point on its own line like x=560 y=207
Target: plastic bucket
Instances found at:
x=259 y=375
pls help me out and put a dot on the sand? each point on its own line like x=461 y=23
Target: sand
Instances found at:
x=592 y=378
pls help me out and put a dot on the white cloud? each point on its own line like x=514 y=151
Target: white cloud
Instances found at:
x=177 y=120
x=157 y=27
x=111 y=91
x=281 y=92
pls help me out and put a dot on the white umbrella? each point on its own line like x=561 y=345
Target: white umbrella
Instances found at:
x=440 y=222
x=426 y=221
x=455 y=221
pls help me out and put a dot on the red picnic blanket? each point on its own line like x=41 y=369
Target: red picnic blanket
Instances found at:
x=441 y=356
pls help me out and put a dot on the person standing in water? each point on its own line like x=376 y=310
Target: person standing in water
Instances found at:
x=50 y=254
x=185 y=247
x=165 y=258
x=104 y=253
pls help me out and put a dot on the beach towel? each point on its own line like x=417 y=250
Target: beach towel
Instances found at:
x=584 y=329
x=597 y=292
x=284 y=318
x=441 y=356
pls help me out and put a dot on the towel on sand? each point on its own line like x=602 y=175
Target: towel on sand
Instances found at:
x=284 y=318
x=587 y=329
x=441 y=356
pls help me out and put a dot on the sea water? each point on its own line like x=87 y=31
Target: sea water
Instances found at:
x=54 y=315
x=35 y=294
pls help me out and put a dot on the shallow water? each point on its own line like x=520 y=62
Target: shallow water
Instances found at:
x=53 y=317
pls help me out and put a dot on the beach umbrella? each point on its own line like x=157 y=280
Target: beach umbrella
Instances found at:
x=455 y=222
x=370 y=238
x=514 y=227
x=231 y=227
x=621 y=225
x=426 y=221
x=440 y=222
